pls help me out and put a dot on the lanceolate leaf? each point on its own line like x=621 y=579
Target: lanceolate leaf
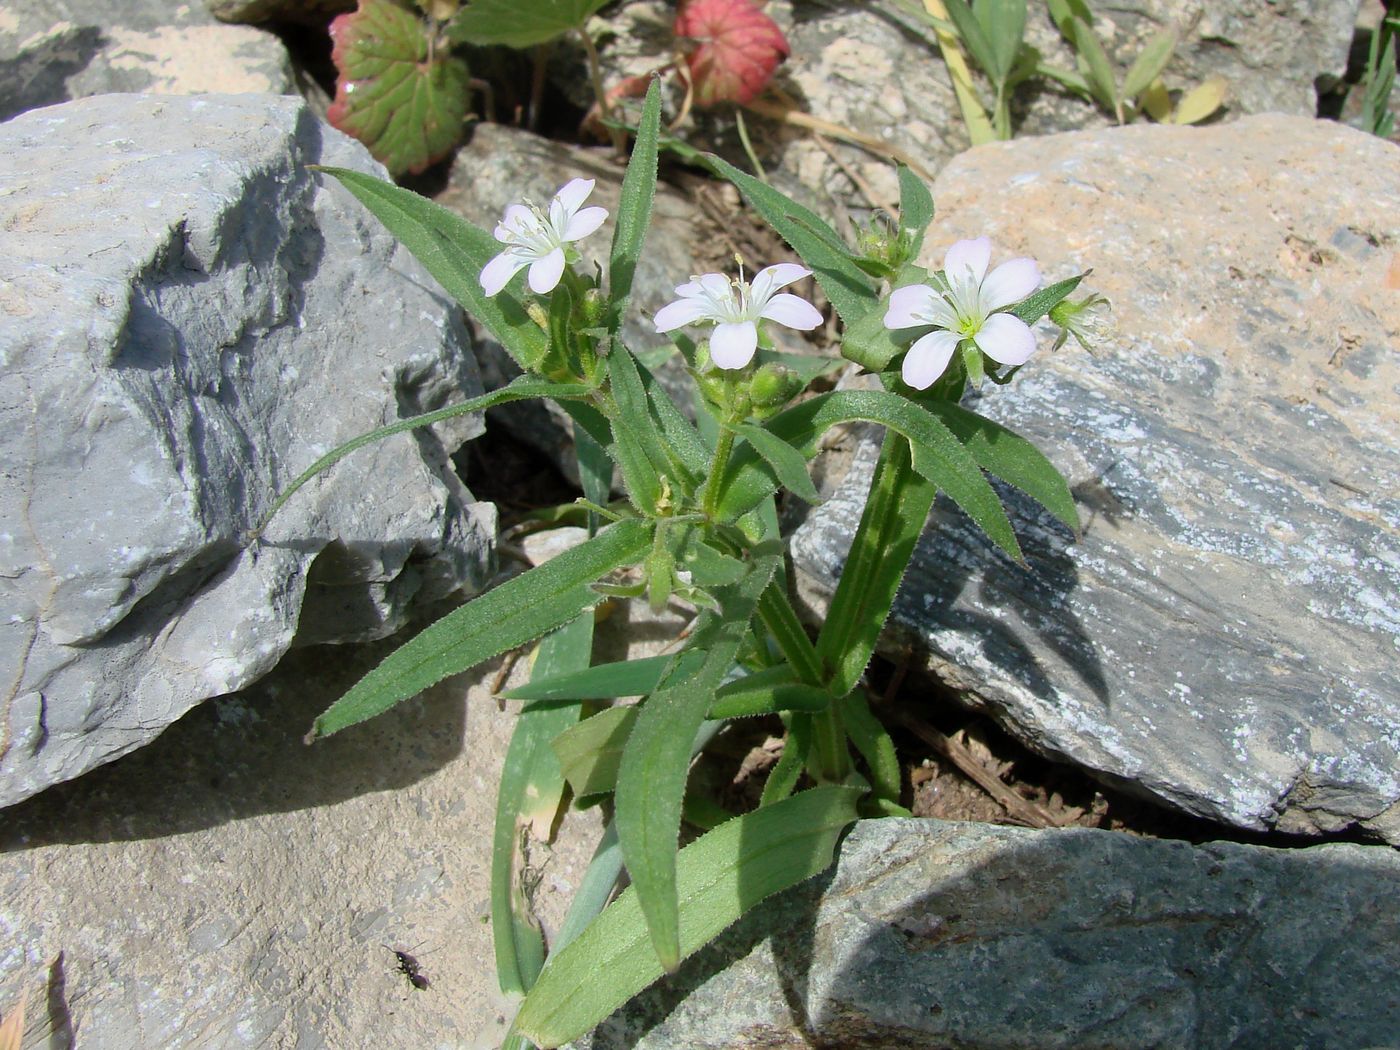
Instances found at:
x=406 y=109
x=634 y=207
x=1148 y=66
x=1037 y=305
x=651 y=780
x=453 y=251
x=520 y=23
x=844 y=283
x=915 y=206
x=516 y=612
x=721 y=875
x=788 y=464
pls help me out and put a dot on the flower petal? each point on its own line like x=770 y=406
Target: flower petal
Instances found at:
x=496 y=274
x=793 y=311
x=928 y=358
x=516 y=219
x=733 y=344
x=716 y=284
x=1006 y=339
x=681 y=313
x=910 y=306
x=769 y=279
x=545 y=272
x=584 y=223
x=965 y=255
x=574 y=193
x=1009 y=283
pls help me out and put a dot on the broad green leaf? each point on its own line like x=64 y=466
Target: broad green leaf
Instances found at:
x=1064 y=12
x=520 y=23
x=845 y=284
x=788 y=464
x=634 y=207
x=407 y=109
x=1148 y=66
x=518 y=611
x=528 y=795
x=589 y=753
x=1101 y=79
x=709 y=567
x=1004 y=24
x=890 y=525
x=915 y=205
x=1036 y=306
x=722 y=875
x=1012 y=458
x=973 y=36
x=520 y=389
x=454 y=252
x=603 y=682
x=651 y=780
x=766 y=692
x=1200 y=102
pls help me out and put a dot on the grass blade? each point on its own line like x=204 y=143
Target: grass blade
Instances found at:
x=1148 y=66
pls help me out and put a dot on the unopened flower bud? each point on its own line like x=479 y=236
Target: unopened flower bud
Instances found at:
x=773 y=386
x=594 y=308
x=1087 y=320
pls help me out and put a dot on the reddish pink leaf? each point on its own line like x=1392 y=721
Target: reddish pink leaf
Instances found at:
x=737 y=49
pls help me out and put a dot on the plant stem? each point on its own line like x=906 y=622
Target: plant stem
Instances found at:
x=595 y=74
x=743 y=127
x=709 y=500
x=781 y=620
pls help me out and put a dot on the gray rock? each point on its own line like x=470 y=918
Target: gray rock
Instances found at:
x=1224 y=635
x=312 y=12
x=188 y=319
x=56 y=50
x=979 y=937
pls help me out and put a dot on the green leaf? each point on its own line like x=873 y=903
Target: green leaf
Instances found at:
x=520 y=389
x=1380 y=81
x=972 y=36
x=1200 y=102
x=1036 y=306
x=408 y=110
x=845 y=284
x=528 y=795
x=805 y=366
x=1101 y=79
x=1148 y=66
x=639 y=445
x=518 y=611
x=684 y=448
x=1010 y=457
x=595 y=471
x=915 y=205
x=797 y=747
x=603 y=682
x=788 y=464
x=634 y=207
x=723 y=874
x=1004 y=23
x=454 y=252
x=772 y=690
x=589 y=753
x=520 y=24
x=1064 y=12
x=868 y=342
x=651 y=780
x=874 y=745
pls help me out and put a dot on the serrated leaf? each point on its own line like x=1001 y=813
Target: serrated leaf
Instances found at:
x=520 y=24
x=408 y=110
x=846 y=285
x=1148 y=66
x=788 y=464
x=651 y=779
x=1200 y=102
x=518 y=611
x=634 y=207
x=722 y=874
x=736 y=49
x=454 y=251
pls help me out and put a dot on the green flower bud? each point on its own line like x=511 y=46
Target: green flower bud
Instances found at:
x=594 y=309
x=773 y=386
x=1087 y=320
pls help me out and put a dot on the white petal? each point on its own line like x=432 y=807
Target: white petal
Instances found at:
x=928 y=358
x=690 y=290
x=769 y=279
x=1009 y=283
x=574 y=193
x=681 y=313
x=517 y=218
x=545 y=272
x=909 y=306
x=965 y=255
x=584 y=223
x=496 y=274
x=733 y=344
x=1006 y=339
x=716 y=284
x=793 y=311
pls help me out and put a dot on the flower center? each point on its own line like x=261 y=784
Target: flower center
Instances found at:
x=533 y=231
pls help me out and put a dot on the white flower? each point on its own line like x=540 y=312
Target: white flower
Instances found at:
x=736 y=307
x=536 y=239
x=964 y=307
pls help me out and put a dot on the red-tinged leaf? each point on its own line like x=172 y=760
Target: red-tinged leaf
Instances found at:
x=408 y=110
x=737 y=48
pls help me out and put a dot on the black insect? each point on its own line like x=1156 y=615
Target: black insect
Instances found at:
x=409 y=967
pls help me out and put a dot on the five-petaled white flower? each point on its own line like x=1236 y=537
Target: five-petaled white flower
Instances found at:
x=536 y=239
x=964 y=307
x=736 y=307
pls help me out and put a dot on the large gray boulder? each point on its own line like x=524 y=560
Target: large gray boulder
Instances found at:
x=1225 y=635
x=55 y=50
x=937 y=934
x=188 y=319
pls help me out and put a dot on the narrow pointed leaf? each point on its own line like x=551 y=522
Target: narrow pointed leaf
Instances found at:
x=634 y=207
x=723 y=874
x=1148 y=66
x=520 y=24
x=651 y=780
x=972 y=36
x=1038 y=304
x=603 y=682
x=454 y=251
x=915 y=204
x=797 y=748
x=788 y=464
x=1101 y=78
x=518 y=611
x=639 y=446
x=590 y=752
x=1004 y=23
x=766 y=692
x=874 y=745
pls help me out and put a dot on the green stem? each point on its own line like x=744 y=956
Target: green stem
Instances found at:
x=743 y=128
x=709 y=501
x=781 y=620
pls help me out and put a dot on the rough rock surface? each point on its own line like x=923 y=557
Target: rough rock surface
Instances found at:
x=980 y=937
x=874 y=69
x=56 y=50
x=1225 y=635
x=188 y=319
